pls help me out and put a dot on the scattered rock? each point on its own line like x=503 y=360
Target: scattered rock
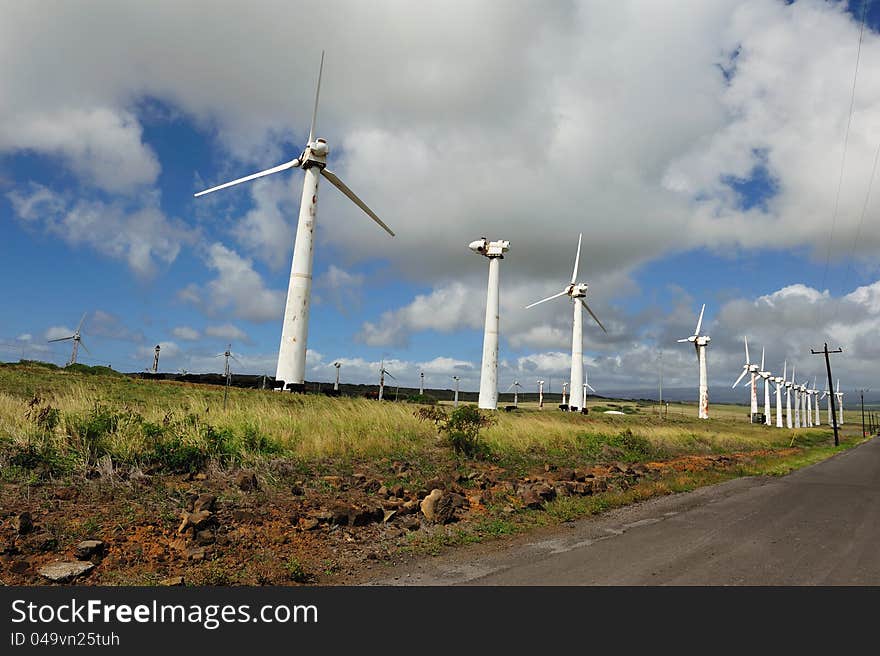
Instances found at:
x=530 y=498
x=204 y=502
x=428 y=503
x=248 y=517
x=388 y=514
x=40 y=541
x=62 y=572
x=196 y=520
x=308 y=523
x=86 y=549
x=172 y=580
x=322 y=516
x=205 y=537
x=382 y=491
x=410 y=523
x=545 y=491
x=23 y=523
x=339 y=513
x=247 y=481
x=444 y=509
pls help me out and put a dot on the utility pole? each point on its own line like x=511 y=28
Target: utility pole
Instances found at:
x=826 y=352
x=862 y=395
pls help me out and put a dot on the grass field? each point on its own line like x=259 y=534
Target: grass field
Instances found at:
x=65 y=421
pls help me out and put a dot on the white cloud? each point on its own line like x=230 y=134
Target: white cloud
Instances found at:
x=58 y=332
x=227 y=331
x=186 y=333
x=267 y=230
x=167 y=350
x=237 y=288
x=140 y=235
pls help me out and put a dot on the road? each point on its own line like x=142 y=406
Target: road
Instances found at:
x=817 y=526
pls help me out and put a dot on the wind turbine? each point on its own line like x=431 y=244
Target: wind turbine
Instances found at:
x=494 y=251
x=294 y=332
x=455 y=402
x=515 y=386
x=77 y=341
x=540 y=394
x=808 y=396
x=421 y=383
x=576 y=291
x=227 y=372
x=382 y=373
x=753 y=369
x=564 y=389
x=587 y=386
x=796 y=390
x=827 y=393
x=779 y=381
x=788 y=385
x=839 y=396
x=156 y=359
x=700 y=342
x=766 y=376
x=817 y=414
x=338 y=366
x=805 y=404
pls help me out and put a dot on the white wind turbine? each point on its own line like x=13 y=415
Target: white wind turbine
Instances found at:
x=805 y=405
x=817 y=416
x=227 y=372
x=839 y=396
x=338 y=366
x=494 y=251
x=540 y=394
x=587 y=386
x=156 y=359
x=766 y=377
x=788 y=385
x=750 y=368
x=576 y=291
x=515 y=386
x=830 y=411
x=294 y=332
x=77 y=341
x=700 y=343
x=421 y=383
x=796 y=390
x=808 y=404
x=779 y=381
x=564 y=389
x=382 y=373
x=455 y=402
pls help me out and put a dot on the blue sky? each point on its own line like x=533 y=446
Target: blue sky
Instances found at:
x=689 y=185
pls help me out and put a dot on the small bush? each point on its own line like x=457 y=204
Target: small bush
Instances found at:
x=461 y=428
x=175 y=455
x=296 y=571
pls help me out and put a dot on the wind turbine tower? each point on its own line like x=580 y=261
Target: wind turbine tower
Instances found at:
x=752 y=369
x=766 y=376
x=494 y=251
x=540 y=394
x=788 y=385
x=156 y=359
x=515 y=386
x=564 y=389
x=456 y=379
x=338 y=366
x=576 y=291
x=77 y=342
x=294 y=332
x=700 y=342
x=382 y=373
x=779 y=381
x=817 y=415
x=421 y=383
x=796 y=390
x=839 y=396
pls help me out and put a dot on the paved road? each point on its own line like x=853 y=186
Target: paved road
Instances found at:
x=820 y=525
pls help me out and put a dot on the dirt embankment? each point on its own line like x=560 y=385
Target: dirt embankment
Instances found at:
x=278 y=527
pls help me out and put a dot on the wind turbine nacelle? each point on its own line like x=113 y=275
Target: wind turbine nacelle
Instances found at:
x=578 y=290
x=490 y=248
x=703 y=340
x=319 y=147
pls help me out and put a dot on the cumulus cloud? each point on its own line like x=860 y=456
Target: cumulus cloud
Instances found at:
x=237 y=288
x=167 y=350
x=186 y=333
x=139 y=234
x=105 y=324
x=342 y=287
x=227 y=331
x=266 y=231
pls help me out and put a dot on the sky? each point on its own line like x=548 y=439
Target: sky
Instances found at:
x=699 y=148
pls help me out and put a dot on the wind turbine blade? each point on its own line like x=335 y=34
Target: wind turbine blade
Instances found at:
x=275 y=169
x=549 y=298
x=746 y=341
x=739 y=379
x=61 y=339
x=389 y=375
x=81 y=321
x=683 y=340
x=748 y=383
x=784 y=370
x=339 y=184
x=762 y=358
x=577 y=259
x=81 y=343
x=511 y=387
x=700 y=320
x=590 y=387
x=595 y=318
x=317 y=94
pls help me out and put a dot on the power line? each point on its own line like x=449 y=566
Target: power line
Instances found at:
x=845 y=143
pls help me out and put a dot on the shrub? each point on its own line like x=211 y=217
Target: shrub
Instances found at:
x=461 y=427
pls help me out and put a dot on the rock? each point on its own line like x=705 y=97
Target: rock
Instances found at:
x=408 y=507
x=382 y=491
x=545 y=491
x=172 y=580
x=20 y=567
x=196 y=555
x=428 y=503
x=88 y=548
x=205 y=537
x=62 y=572
x=410 y=523
x=530 y=498
x=297 y=489
x=396 y=490
x=322 y=516
x=196 y=520
x=23 y=523
x=247 y=481
x=364 y=516
x=248 y=517
x=204 y=502
x=308 y=523
x=339 y=513
x=40 y=541
x=388 y=514
x=444 y=509
x=565 y=474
